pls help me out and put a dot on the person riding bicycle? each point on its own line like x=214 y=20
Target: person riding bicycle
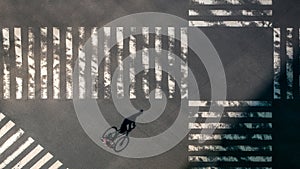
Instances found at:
x=128 y=124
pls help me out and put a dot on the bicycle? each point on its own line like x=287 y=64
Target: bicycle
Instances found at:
x=115 y=140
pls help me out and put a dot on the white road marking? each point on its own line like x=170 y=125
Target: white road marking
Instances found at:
x=193 y=148
x=289 y=63
x=219 y=12
x=15 y=154
x=184 y=63
x=2 y=116
x=9 y=125
x=194 y=103
x=230 y=23
x=158 y=68
x=31 y=65
x=42 y=161
x=43 y=66
x=11 y=140
x=276 y=56
x=69 y=69
x=81 y=63
x=171 y=60
x=229 y=126
x=229 y=137
x=145 y=61
x=229 y=159
x=132 y=53
x=56 y=165
x=28 y=157
x=6 y=70
x=120 y=84
x=94 y=63
x=231 y=2
x=18 y=53
x=107 y=73
x=56 y=63
x=232 y=115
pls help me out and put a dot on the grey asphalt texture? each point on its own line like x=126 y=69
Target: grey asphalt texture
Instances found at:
x=246 y=54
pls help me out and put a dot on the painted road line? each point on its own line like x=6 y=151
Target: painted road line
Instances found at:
x=132 y=54
x=229 y=159
x=289 y=63
x=276 y=67
x=146 y=61
x=120 y=45
x=19 y=58
x=56 y=63
x=69 y=67
x=230 y=103
x=231 y=2
x=11 y=140
x=184 y=62
x=158 y=68
x=6 y=72
x=94 y=63
x=43 y=66
x=231 y=114
x=230 y=23
x=2 y=116
x=229 y=137
x=107 y=73
x=81 y=64
x=56 y=165
x=171 y=60
x=31 y=64
x=9 y=125
x=230 y=126
x=220 y=12
x=16 y=153
x=28 y=157
x=42 y=161
x=193 y=148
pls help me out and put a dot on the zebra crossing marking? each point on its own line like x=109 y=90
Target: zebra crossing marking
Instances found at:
x=10 y=142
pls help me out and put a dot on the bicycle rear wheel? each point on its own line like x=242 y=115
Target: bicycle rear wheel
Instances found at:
x=109 y=132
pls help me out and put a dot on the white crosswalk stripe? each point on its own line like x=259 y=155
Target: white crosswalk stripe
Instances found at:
x=43 y=58
x=14 y=142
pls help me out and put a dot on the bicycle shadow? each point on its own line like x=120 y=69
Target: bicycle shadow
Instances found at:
x=118 y=139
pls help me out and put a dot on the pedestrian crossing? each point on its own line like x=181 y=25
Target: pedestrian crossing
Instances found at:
x=38 y=62
x=286 y=63
x=230 y=13
x=20 y=151
x=241 y=139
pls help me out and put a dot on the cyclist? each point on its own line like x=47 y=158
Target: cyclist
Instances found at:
x=128 y=124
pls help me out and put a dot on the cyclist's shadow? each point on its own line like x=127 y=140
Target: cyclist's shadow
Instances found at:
x=118 y=139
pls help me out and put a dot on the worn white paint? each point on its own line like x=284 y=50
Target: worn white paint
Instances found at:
x=120 y=83
x=230 y=23
x=6 y=70
x=197 y=103
x=94 y=63
x=229 y=126
x=56 y=63
x=69 y=68
x=56 y=165
x=16 y=153
x=145 y=61
x=193 y=148
x=28 y=157
x=43 y=66
x=107 y=73
x=9 y=125
x=289 y=63
x=276 y=63
x=229 y=137
x=19 y=60
x=232 y=2
x=42 y=161
x=229 y=159
x=220 y=12
x=232 y=114
x=11 y=140
x=184 y=63
x=81 y=64
x=158 y=68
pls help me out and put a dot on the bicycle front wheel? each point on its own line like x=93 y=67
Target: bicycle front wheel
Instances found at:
x=109 y=132
x=121 y=143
